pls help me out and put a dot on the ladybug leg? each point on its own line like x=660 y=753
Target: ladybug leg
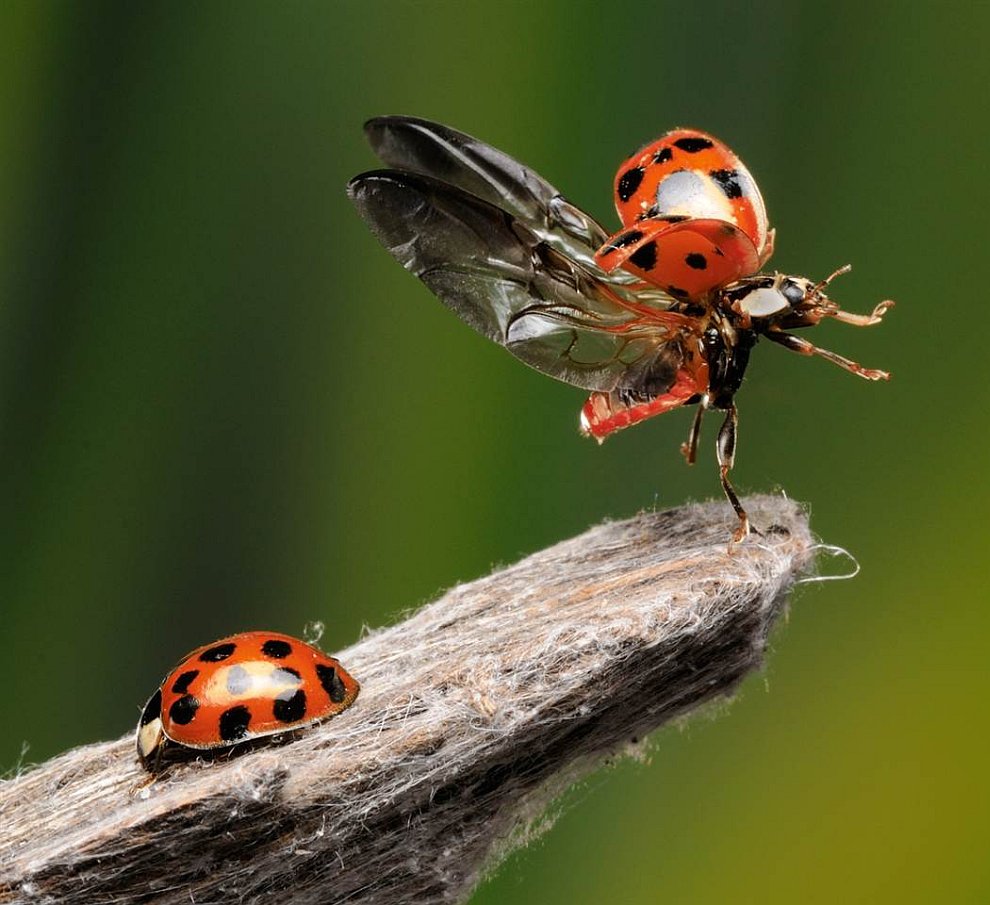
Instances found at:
x=152 y=764
x=830 y=309
x=862 y=320
x=156 y=769
x=803 y=347
x=689 y=449
x=726 y=451
x=768 y=247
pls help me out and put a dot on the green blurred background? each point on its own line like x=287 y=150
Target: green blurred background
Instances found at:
x=222 y=406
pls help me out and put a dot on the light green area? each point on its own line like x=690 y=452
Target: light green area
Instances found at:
x=223 y=407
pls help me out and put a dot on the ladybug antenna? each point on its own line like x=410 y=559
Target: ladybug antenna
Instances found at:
x=845 y=268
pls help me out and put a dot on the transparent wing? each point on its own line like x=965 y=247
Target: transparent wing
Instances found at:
x=501 y=276
x=421 y=146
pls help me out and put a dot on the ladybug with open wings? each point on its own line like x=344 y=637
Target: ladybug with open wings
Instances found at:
x=661 y=314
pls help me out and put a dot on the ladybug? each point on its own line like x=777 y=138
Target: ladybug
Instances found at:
x=661 y=314
x=241 y=688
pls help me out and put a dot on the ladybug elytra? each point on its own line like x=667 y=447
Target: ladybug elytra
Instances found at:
x=240 y=688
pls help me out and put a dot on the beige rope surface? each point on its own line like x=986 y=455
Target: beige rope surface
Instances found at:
x=474 y=713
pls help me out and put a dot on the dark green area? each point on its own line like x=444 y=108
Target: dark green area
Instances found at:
x=223 y=407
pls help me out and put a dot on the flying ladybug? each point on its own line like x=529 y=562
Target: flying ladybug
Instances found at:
x=660 y=314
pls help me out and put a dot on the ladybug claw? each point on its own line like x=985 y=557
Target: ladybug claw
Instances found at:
x=862 y=320
x=743 y=530
x=880 y=311
x=874 y=374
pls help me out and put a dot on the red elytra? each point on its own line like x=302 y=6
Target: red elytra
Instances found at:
x=693 y=217
x=724 y=189
x=239 y=688
x=661 y=314
x=685 y=258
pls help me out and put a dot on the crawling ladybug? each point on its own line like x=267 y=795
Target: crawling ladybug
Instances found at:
x=661 y=314
x=240 y=688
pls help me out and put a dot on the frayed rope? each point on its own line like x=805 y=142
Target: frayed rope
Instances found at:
x=475 y=713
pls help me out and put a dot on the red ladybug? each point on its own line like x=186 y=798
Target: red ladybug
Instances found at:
x=240 y=688
x=661 y=314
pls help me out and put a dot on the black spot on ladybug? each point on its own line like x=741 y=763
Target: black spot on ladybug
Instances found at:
x=331 y=682
x=276 y=649
x=663 y=155
x=286 y=675
x=645 y=257
x=181 y=685
x=692 y=145
x=218 y=653
x=696 y=261
x=183 y=710
x=677 y=292
x=238 y=680
x=728 y=182
x=653 y=213
x=634 y=235
x=627 y=238
x=290 y=709
x=153 y=709
x=629 y=182
x=234 y=723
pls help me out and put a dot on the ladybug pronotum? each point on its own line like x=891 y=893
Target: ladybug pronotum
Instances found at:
x=240 y=688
